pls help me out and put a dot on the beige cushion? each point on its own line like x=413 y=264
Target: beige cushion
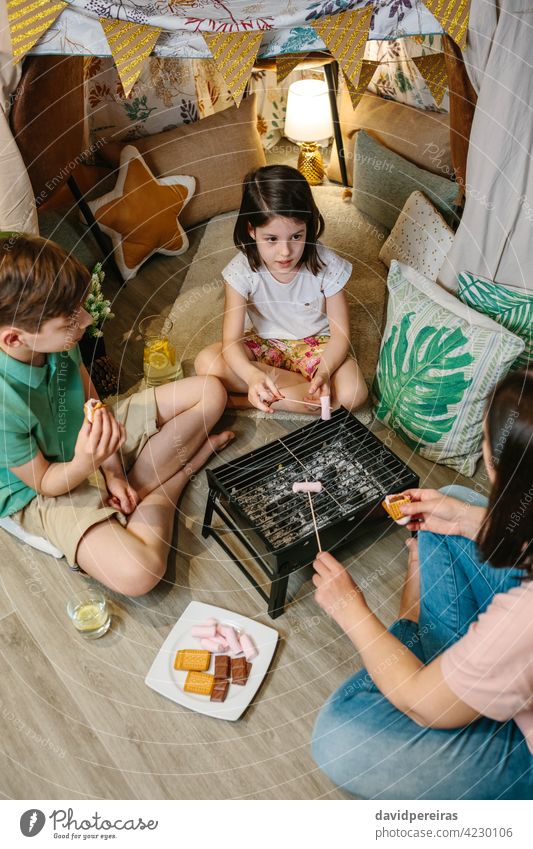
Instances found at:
x=420 y=238
x=140 y=215
x=421 y=137
x=217 y=151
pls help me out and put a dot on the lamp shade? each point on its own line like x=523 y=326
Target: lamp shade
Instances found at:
x=308 y=116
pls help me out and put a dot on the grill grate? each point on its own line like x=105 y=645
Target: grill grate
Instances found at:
x=356 y=471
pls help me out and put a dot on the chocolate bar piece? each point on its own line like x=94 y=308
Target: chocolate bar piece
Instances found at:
x=220 y=691
x=222 y=667
x=240 y=670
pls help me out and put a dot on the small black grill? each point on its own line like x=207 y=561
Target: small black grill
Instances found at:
x=253 y=497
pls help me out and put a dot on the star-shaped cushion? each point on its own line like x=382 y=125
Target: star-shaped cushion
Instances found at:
x=141 y=213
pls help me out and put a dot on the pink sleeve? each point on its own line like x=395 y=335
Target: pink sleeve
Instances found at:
x=491 y=667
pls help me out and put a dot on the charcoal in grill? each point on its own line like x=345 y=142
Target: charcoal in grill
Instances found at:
x=253 y=496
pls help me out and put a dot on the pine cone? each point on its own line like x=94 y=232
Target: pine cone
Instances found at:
x=105 y=375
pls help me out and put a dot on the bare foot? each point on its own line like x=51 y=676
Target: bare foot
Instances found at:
x=410 y=600
x=213 y=444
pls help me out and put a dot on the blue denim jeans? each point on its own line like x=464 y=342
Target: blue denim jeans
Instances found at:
x=374 y=751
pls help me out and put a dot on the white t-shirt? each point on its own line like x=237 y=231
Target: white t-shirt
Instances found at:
x=289 y=310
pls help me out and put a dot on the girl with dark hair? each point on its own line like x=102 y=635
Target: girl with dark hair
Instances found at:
x=286 y=334
x=444 y=708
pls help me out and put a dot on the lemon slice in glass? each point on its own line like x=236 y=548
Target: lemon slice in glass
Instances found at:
x=157 y=360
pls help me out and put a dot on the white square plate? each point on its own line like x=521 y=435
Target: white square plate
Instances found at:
x=168 y=681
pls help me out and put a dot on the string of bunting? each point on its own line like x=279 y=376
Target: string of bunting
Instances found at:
x=345 y=35
x=433 y=69
x=130 y=45
x=368 y=69
x=28 y=21
x=453 y=16
x=286 y=62
x=234 y=55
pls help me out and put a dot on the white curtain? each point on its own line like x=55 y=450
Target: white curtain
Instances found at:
x=17 y=202
x=495 y=237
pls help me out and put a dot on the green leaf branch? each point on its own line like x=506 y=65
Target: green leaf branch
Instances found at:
x=98 y=307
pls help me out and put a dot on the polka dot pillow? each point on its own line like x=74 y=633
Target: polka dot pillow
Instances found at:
x=420 y=238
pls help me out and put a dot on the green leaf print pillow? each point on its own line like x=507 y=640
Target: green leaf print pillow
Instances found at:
x=509 y=307
x=438 y=363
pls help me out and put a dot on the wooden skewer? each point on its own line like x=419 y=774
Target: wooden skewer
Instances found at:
x=307 y=403
x=314 y=521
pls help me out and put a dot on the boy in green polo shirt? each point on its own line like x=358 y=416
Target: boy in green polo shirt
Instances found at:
x=103 y=493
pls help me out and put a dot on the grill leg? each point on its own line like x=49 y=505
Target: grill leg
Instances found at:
x=206 y=527
x=278 y=593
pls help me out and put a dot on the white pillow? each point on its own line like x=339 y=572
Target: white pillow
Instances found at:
x=420 y=238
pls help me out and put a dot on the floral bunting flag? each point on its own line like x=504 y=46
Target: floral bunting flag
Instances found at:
x=345 y=35
x=286 y=62
x=130 y=45
x=29 y=20
x=234 y=55
x=453 y=17
x=367 y=72
x=433 y=69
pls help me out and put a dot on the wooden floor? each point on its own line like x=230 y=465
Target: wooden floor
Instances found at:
x=77 y=720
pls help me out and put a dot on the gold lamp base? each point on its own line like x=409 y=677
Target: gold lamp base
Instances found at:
x=310 y=163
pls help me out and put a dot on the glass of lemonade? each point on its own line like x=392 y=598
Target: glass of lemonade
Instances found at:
x=159 y=358
x=89 y=613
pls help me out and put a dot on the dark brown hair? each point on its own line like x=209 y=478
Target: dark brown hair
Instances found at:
x=38 y=281
x=278 y=190
x=506 y=536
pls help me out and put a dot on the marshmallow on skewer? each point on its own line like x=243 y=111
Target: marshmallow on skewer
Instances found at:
x=307 y=486
x=325 y=407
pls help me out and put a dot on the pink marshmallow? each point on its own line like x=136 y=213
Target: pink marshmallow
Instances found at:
x=213 y=645
x=211 y=622
x=231 y=637
x=221 y=638
x=248 y=647
x=307 y=486
x=207 y=631
x=325 y=405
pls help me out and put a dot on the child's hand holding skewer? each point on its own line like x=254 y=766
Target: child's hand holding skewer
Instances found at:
x=262 y=392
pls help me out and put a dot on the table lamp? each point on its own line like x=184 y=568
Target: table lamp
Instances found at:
x=308 y=122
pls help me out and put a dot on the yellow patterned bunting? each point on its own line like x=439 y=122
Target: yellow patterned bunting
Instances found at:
x=29 y=20
x=234 y=55
x=286 y=62
x=453 y=17
x=345 y=35
x=433 y=69
x=367 y=72
x=130 y=45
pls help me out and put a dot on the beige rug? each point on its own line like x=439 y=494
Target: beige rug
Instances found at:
x=198 y=309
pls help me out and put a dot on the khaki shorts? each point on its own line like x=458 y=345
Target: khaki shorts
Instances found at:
x=65 y=519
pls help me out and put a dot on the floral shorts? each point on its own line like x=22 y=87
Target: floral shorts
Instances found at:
x=299 y=355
